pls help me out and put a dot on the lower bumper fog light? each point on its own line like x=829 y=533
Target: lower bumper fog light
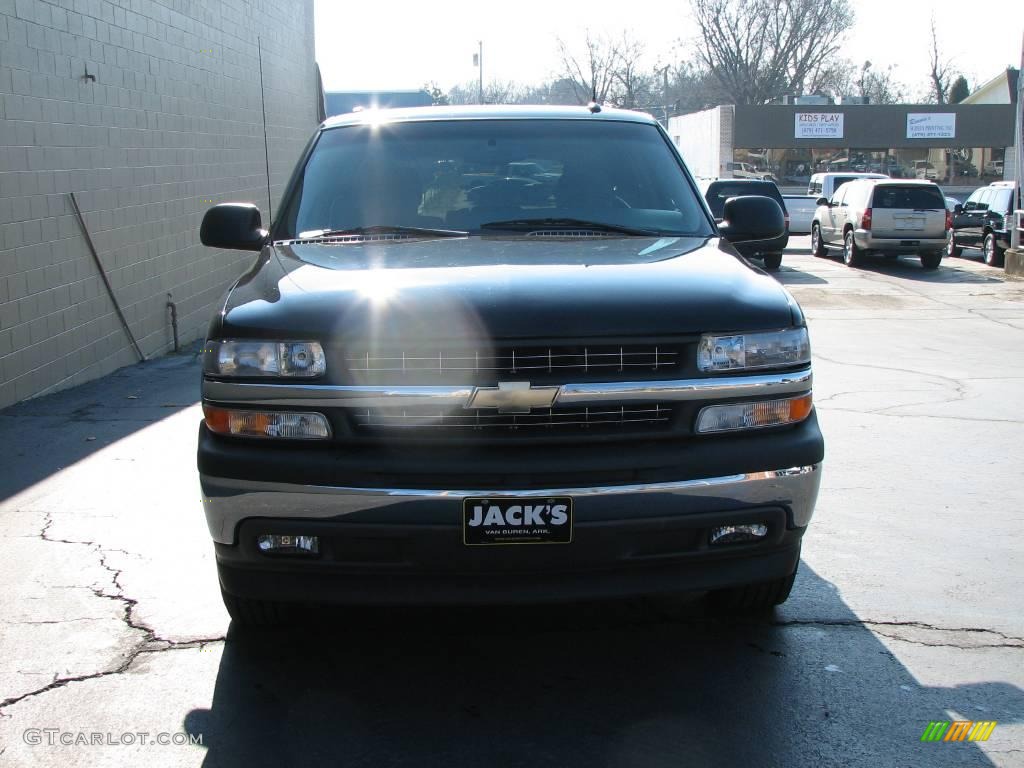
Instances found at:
x=274 y=544
x=738 y=534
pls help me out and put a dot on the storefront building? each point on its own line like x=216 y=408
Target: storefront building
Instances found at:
x=958 y=146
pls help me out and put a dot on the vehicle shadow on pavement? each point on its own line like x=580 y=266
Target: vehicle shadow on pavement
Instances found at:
x=790 y=275
x=650 y=683
x=909 y=268
x=46 y=434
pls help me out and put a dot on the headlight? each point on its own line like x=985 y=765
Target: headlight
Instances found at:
x=747 y=351
x=301 y=359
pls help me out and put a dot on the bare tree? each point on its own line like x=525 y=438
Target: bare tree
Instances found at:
x=689 y=87
x=760 y=50
x=636 y=84
x=878 y=86
x=592 y=71
x=558 y=91
x=941 y=71
x=495 y=92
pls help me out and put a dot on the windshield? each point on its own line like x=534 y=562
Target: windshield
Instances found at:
x=461 y=175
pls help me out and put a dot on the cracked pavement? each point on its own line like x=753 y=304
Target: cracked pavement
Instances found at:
x=909 y=606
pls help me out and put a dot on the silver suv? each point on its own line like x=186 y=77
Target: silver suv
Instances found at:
x=886 y=216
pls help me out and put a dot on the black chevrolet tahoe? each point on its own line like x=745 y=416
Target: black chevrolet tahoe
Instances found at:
x=769 y=251
x=442 y=381
x=984 y=221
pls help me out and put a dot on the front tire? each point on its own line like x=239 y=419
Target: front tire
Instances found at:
x=817 y=245
x=772 y=261
x=993 y=253
x=851 y=253
x=931 y=260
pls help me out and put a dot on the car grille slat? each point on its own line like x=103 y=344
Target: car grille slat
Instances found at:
x=398 y=365
x=432 y=420
x=561 y=234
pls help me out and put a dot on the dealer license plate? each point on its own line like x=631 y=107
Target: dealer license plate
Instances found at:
x=516 y=520
x=909 y=222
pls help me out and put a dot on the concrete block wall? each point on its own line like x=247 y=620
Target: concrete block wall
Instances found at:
x=172 y=123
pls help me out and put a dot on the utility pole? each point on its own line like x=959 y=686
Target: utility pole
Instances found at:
x=480 y=62
x=1018 y=153
x=664 y=92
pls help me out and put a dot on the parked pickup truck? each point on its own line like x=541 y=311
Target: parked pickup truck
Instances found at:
x=415 y=395
x=801 y=210
x=802 y=207
x=826 y=184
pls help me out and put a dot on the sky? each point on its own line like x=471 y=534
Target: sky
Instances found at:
x=366 y=45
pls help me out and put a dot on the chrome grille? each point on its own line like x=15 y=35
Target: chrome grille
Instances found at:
x=428 y=419
x=515 y=360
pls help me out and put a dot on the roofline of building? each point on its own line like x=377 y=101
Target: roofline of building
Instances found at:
x=1008 y=77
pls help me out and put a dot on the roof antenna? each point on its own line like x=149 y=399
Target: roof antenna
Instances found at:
x=594 y=107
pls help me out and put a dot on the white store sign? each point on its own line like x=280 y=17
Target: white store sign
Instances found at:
x=931 y=125
x=819 y=125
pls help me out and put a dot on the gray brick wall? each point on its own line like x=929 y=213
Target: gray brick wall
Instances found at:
x=172 y=122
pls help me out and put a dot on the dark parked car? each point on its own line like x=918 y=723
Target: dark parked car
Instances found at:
x=414 y=397
x=984 y=221
x=769 y=251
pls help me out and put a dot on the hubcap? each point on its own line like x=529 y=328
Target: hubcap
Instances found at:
x=989 y=250
x=949 y=243
x=848 y=249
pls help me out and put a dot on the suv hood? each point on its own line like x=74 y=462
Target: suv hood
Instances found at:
x=503 y=288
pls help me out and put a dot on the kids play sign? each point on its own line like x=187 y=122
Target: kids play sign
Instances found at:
x=819 y=125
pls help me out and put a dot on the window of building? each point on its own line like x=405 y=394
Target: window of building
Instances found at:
x=792 y=168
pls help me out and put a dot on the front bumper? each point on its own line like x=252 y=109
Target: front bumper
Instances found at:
x=389 y=517
x=387 y=546
x=642 y=565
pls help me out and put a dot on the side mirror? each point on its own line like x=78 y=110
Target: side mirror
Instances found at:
x=751 y=217
x=821 y=201
x=233 y=225
x=958 y=209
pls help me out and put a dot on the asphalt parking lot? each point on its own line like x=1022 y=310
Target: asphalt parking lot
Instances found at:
x=908 y=608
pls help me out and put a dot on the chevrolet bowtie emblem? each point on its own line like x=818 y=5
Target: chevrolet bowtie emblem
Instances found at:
x=513 y=397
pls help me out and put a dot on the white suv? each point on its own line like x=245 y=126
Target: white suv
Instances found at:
x=887 y=216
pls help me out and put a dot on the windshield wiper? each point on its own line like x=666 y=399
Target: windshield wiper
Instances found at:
x=528 y=225
x=381 y=229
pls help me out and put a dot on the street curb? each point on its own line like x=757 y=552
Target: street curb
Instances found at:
x=1014 y=262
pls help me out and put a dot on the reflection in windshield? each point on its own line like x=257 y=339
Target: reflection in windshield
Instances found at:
x=458 y=175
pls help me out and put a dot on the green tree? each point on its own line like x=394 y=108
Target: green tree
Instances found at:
x=959 y=90
x=437 y=97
